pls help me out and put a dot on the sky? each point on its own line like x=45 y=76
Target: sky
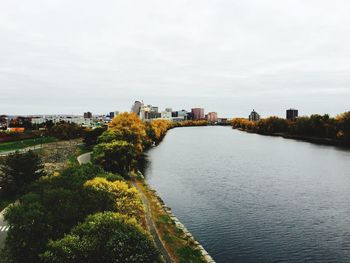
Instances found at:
x=63 y=56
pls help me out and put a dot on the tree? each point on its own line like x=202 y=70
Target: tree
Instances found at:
x=344 y=126
x=158 y=129
x=103 y=237
x=128 y=127
x=66 y=131
x=55 y=204
x=117 y=156
x=17 y=171
x=126 y=198
x=91 y=136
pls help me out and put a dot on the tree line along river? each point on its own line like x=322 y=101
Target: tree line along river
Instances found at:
x=254 y=198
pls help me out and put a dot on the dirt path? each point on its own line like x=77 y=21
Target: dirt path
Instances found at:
x=152 y=227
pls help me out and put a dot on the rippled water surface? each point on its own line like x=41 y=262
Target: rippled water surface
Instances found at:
x=253 y=198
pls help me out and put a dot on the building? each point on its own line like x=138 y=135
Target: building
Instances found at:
x=136 y=107
x=212 y=117
x=112 y=114
x=291 y=114
x=88 y=115
x=166 y=114
x=149 y=112
x=254 y=116
x=197 y=114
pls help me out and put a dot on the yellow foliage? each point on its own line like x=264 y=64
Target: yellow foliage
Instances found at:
x=160 y=127
x=127 y=199
x=244 y=124
x=130 y=128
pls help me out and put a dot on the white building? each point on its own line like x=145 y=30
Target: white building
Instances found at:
x=166 y=115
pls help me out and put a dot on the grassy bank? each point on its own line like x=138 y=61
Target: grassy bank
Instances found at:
x=181 y=247
x=17 y=145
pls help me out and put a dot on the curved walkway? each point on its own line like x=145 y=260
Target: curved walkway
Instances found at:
x=84 y=158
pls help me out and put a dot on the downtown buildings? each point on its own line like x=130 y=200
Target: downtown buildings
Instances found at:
x=150 y=112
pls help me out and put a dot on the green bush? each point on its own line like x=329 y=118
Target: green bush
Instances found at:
x=103 y=237
x=117 y=156
x=55 y=205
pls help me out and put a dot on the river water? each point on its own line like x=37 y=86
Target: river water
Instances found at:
x=253 y=198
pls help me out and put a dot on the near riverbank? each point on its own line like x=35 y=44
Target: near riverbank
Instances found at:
x=174 y=236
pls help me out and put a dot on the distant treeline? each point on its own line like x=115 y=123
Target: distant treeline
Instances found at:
x=315 y=126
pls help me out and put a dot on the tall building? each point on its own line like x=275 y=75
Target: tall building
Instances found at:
x=254 y=116
x=87 y=115
x=291 y=114
x=197 y=113
x=136 y=108
x=212 y=117
x=112 y=114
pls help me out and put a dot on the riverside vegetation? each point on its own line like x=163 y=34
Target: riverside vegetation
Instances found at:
x=90 y=213
x=316 y=128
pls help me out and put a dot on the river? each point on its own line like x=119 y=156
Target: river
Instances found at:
x=254 y=198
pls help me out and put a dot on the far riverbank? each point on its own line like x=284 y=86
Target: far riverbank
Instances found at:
x=316 y=140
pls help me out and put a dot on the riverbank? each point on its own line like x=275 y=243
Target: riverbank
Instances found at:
x=176 y=239
x=316 y=140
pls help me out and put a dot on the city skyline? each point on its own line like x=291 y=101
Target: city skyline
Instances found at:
x=226 y=56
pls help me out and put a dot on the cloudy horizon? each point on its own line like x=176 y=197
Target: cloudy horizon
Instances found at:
x=67 y=57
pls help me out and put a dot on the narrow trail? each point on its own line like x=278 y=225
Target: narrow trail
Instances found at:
x=152 y=227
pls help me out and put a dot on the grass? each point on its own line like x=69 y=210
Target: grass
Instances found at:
x=17 y=145
x=181 y=248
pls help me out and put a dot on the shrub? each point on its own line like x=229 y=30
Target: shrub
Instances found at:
x=127 y=200
x=117 y=156
x=103 y=237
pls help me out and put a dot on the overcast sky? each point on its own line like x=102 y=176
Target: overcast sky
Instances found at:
x=60 y=56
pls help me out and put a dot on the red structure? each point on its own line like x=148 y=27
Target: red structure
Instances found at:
x=197 y=113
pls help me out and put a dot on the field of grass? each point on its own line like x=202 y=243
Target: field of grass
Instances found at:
x=17 y=145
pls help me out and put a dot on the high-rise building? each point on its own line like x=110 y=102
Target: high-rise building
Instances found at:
x=112 y=114
x=87 y=115
x=291 y=114
x=254 y=116
x=212 y=117
x=136 y=108
x=197 y=113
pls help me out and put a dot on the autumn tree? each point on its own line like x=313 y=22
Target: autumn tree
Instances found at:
x=128 y=127
x=157 y=129
x=344 y=126
x=126 y=199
